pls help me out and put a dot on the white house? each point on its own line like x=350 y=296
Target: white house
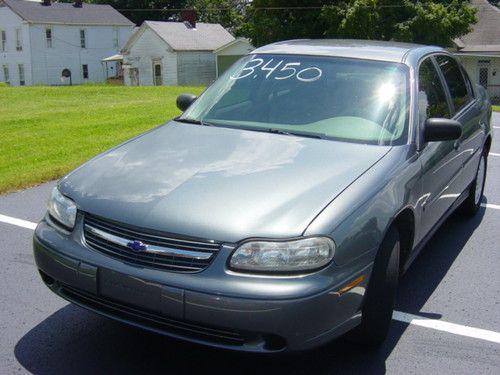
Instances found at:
x=480 y=49
x=173 y=53
x=39 y=40
x=231 y=52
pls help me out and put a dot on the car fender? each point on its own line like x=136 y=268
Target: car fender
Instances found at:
x=358 y=219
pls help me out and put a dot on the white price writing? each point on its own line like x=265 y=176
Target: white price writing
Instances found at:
x=270 y=68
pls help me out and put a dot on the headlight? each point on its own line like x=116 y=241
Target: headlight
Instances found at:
x=283 y=256
x=62 y=209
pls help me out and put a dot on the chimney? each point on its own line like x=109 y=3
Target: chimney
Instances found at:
x=77 y=4
x=189 y=16
x=46 y=3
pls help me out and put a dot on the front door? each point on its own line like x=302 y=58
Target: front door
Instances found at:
x=157 y=78
x=134 y=76
x=440 y=165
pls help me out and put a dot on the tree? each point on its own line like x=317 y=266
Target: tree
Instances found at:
x=141 y=10
x=229 y=13
x=422 y=21
x=268 y=21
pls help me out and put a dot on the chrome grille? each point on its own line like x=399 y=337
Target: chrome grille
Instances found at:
x=163 y=251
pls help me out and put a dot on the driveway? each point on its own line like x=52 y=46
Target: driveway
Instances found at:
x=447 y=319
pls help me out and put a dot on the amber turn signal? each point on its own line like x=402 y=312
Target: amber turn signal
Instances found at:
x=351 y=285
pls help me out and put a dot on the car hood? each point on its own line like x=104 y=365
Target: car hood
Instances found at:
x=218 y=183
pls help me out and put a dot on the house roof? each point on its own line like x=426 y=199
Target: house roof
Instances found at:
x=117 y=57
x=67 y=14
x=236 y=41
x=485 y=34
x=181 y=37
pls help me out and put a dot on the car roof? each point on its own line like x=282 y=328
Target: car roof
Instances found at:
x=361 y=49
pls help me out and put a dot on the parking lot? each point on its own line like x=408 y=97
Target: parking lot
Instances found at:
x=447 y=318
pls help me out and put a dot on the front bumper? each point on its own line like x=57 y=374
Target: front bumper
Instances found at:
x=215 y=307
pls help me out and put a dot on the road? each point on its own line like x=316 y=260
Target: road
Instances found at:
x=456 y=279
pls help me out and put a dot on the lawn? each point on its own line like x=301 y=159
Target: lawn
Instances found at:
x=47 y=131
x=496 y=108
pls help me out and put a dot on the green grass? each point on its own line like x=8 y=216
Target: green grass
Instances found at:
x=47 y=131
x=496 y=108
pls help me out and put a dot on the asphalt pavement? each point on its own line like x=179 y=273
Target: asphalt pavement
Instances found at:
x=455 y=280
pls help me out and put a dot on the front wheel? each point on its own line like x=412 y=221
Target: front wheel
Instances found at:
x=471 y=205
x=380 y=297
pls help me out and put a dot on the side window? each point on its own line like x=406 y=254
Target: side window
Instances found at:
x=3 y=46
x=455 y=81
x=19 y=40
x=83 y=42
x=48 y=37
x=85 y=71
x=431 y=97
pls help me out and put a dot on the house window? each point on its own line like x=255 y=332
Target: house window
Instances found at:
x=20 y=67
x=19 y=40
x=483 y=76
x=483 y=69
x=6 y=74
x=116 y=39
x=85 y=71
x=4 y=41
x=82 y=39
x=48 y=37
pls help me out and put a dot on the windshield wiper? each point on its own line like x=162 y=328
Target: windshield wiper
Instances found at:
x=188 y=121
x=193 y=121
x=278 y=131
x=256 y=129
x=297 y=134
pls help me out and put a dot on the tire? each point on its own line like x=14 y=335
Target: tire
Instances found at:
x=472 y=203
x=380 y=297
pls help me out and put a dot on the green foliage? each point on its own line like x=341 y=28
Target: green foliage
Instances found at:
x=161 y=10
x=229 y=13
x=50 y=130
x=435 y=22
x=424 y=21
x=268 y=21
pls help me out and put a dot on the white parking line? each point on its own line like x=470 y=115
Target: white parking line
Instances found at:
x=488 y=205
x=497 y=127
x=436 y=324
x=493 y=154
x=441 y=325
x=18 y=222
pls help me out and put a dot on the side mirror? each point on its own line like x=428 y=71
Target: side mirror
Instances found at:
x=441 y=129
x=184 y=101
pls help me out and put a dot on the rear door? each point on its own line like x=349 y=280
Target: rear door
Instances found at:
x=467 y=110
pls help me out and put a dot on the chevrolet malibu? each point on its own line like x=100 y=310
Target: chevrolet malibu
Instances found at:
x=279 y=211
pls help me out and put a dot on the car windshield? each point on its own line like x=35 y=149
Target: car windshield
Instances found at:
x=350 y=100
